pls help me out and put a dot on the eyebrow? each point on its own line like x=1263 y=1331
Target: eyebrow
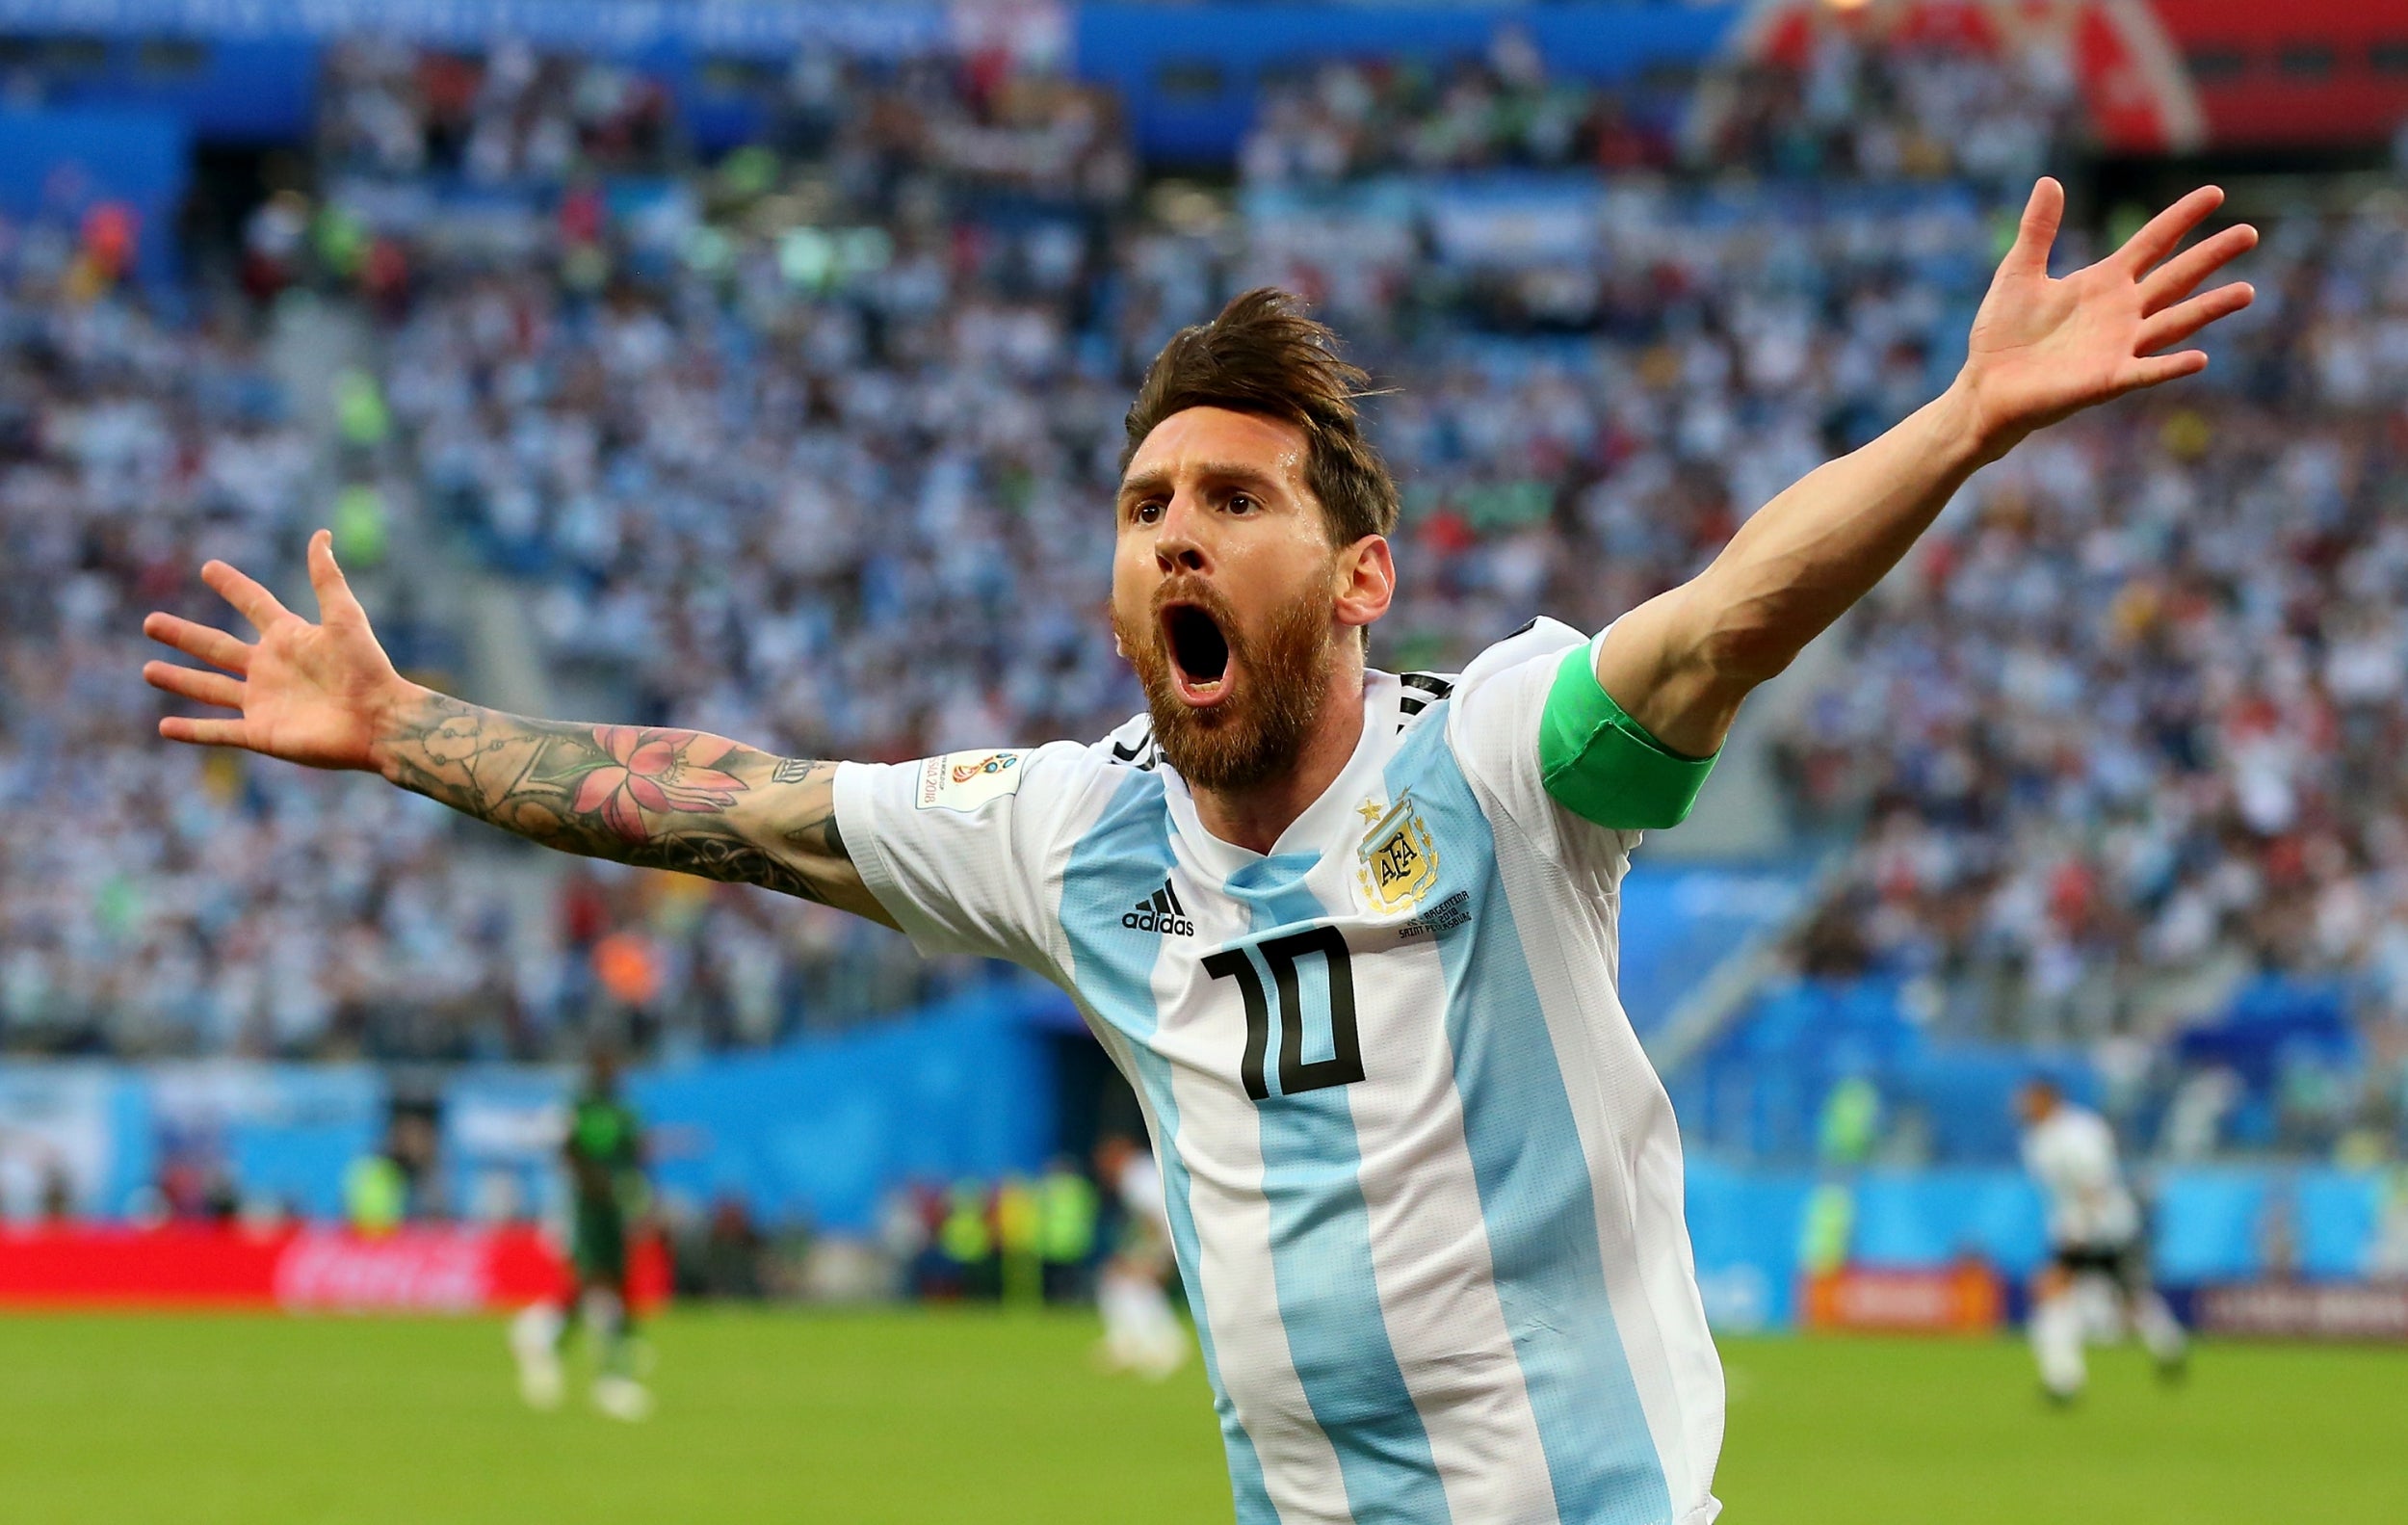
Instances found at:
x=1233 y=472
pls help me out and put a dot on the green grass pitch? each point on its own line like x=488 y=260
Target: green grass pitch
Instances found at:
x=918 y=1418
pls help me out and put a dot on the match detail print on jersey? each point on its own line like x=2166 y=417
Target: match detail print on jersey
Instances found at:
x=967 y=780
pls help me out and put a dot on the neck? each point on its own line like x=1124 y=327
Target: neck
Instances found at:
x=1254 y=818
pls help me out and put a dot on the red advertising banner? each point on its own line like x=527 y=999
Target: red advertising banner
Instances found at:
x=1955 y=1299
x=433 y=1269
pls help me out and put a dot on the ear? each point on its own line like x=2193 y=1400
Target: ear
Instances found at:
x=1365 y=579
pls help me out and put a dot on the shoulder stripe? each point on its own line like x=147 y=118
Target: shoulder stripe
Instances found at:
x=1144 y=755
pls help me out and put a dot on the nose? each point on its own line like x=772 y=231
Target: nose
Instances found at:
x=1176 y=548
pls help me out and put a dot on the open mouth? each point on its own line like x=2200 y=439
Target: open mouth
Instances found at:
x=1199 y=653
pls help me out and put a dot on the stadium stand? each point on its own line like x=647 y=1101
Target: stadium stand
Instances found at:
x=789 y=443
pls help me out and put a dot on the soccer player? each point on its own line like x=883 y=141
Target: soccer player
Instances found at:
x=2096 y=1249
x=1140 y=1332
x=604 y=1153
x=1351 y=933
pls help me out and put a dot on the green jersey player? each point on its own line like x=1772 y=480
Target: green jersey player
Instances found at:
x=604 y=1153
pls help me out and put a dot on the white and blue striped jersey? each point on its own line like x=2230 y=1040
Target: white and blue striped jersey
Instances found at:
x=1424 y=1187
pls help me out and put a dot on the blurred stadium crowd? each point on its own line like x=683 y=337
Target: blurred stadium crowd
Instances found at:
x=810 y=447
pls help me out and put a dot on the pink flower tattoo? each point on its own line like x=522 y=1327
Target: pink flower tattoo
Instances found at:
x=663 y=771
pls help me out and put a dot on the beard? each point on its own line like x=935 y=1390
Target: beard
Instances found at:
x=1280 y=679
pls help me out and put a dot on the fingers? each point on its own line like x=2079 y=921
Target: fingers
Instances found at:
x=205 y=642
x=2156 y=369
x=2176 y=279
x=2179 y=322
x=326 y=578
x=201 y=732
x=193 y=683
x=255 y=603
x=2158 y=236
x=2037 y=235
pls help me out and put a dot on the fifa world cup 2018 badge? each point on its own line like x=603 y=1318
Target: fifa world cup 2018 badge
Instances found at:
x=1397 y=861
x=968 y=781
x=991 y=763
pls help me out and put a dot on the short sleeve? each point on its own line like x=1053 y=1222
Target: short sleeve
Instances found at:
x=962 y=850
x=1532 y=724
x=1602 y=765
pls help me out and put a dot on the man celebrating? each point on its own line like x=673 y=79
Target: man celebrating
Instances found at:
x=1351 y=935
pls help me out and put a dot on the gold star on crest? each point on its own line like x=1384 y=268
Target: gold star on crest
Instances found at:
x=1370 y=810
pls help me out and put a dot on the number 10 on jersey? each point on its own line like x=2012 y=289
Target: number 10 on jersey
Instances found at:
x=1344 y=1064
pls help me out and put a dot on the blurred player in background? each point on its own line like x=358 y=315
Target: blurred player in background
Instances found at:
x=1141 y=1333
x=604 y=1152
x=1351 y=935
x=2097 y=1273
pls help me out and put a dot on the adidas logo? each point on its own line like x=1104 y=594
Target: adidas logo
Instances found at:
x=1160 y=913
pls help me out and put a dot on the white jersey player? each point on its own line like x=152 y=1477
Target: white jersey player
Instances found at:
x=2097 y=1273
x=1351 y=935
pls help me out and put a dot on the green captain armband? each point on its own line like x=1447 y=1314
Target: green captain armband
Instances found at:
x=1602 y=765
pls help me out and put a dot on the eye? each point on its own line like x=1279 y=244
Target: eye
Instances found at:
x=1243 y=503
x=1147 y=512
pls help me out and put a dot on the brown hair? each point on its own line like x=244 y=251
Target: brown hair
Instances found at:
x=1262 y=356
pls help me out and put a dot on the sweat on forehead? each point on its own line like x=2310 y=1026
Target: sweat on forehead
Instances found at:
x=1213 y=447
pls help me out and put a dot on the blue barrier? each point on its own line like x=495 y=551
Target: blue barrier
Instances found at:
x=1930 y=1218
x=824 y=1131
x=820 y=1130
x=825 y=1128
x=2209 y=1224
x=296 y=1145
x=1744 y=1227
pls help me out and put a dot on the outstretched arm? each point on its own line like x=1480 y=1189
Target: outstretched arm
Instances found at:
x=2040 y=350
x=326 y=694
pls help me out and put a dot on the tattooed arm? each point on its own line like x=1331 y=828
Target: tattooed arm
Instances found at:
x=660 y=799
x=327 y=695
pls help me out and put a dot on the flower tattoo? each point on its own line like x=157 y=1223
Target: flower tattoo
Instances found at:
x=665 y=772
x=655 y=798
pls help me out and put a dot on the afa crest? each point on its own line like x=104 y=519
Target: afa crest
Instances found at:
x=1397 y=861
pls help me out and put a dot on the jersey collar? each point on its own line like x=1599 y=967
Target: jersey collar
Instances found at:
x=1327 y=819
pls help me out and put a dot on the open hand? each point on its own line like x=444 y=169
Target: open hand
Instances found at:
x=318 y=695
x=2042 y=349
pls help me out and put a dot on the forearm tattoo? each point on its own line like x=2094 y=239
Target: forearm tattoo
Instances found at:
x=659 y=799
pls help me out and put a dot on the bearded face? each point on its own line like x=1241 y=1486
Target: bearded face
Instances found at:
x=1235 y=600
x=1232 y=709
